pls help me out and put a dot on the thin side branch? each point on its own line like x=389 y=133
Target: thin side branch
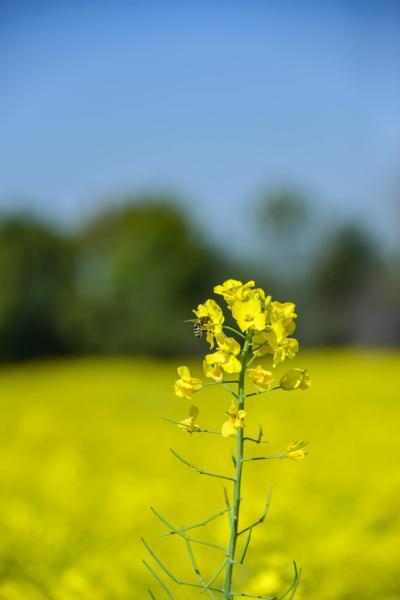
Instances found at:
x=278 y=387
x=258 y=439
x=177 y=531
x=200 y=471
x=226 y=386
x=183 y=535
x=246 y=546
x=207 y=384
x=234 y=331
x=252 y=359
x=196 y=568
x=294 y=585
x=226 y=496
x=255 y=350
x=273 y=457
x=151 y=594
x=160 y=581
x=243 y=595
x=228 y=506
x=260 y=519
x=215 y=576
x=199 y=430
x=168 y=572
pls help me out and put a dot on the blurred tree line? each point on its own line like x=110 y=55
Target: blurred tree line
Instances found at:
x=125 y=281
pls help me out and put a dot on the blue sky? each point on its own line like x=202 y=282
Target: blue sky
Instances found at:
x=213 y=100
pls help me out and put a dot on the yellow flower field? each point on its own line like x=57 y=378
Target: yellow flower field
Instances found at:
x=84 y=454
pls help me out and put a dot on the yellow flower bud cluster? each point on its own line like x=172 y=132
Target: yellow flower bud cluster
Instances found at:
x=296 y=451
x=266 y=325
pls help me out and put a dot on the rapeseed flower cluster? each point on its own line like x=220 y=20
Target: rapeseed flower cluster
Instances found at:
x=265 y=326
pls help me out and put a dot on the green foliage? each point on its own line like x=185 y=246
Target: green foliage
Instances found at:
x=36 y=275
x=120 y=285
x=350 y=258
x=141 y=267
x=284 y=211
x=347 y=284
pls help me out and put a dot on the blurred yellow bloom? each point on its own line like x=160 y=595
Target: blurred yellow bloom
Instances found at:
x=283 y=312
x=274 y=341
x=288 y=348
x=214 y=372
x=234 y=421
x=249 y=315
x=268 y=581
x=262 y=379
x=277 y=333
x=296 y=451
x=234 y=290
x=212 y=311
x=225 y=356
x=297 y=454
x=228 y=344
x=190 y=422
x=295 y=379
x=186 y=385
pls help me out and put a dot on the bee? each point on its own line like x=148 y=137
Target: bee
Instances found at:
x=200 y=326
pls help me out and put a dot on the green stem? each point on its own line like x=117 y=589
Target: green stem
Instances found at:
x=227 y=587
x=234 y=331
x=207 y=384
x=277 y=387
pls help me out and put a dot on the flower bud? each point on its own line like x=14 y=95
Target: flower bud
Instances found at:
x=295 y=379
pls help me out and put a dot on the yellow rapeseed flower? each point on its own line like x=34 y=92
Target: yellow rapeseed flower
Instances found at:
x=296 y=451
x=296 y=379
x=262 y=379
x=288 y=348
x=233 y=290
x=214 y=372
x=234 y=421
x=226 y=355
x=186 y=385
x=249 y=315
x=273 y=341
x=214 y=319
x=189 y=424
x=284 y=313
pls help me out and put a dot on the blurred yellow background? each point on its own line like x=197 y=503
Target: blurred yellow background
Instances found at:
x=84 y=454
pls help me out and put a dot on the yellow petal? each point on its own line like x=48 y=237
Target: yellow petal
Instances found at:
x=232 y=365
x=184 y=372
x=228 y=428
x=259 y=322
x=279 y=331
x=217 y=357
x=214 y=372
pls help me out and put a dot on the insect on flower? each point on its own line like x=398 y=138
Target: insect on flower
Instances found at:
x=200 y=326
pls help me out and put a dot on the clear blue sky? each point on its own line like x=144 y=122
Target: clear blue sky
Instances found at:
x=212 y=99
